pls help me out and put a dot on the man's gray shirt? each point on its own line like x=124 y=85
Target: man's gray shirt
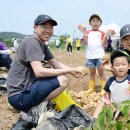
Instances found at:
x=21 y=74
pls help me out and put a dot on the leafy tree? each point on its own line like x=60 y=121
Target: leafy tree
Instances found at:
x=9 y=43
x=62 y=39
x=1 y=39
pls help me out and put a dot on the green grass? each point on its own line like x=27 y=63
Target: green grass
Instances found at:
x=53 y=47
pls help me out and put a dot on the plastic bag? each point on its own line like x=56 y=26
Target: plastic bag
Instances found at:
x=53 y=124
x=71 y=117
x=74 y=116
x=3 y=88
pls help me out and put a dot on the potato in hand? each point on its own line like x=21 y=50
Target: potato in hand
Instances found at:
x=84 y=69
x=106 y=58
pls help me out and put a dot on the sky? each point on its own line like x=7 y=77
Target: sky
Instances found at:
x=19 y=15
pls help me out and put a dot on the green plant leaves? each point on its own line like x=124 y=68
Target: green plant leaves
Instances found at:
x=105 y=120
x=109 y=114
x=101 y=120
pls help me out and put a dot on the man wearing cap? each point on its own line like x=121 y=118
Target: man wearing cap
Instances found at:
x=125 y=37
x=28 y=82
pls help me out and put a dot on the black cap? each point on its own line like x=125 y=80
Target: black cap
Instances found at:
x=124 y=31
x=95 y=15
x=44 y=18
x=117 y=53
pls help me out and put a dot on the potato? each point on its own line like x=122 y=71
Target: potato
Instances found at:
x=92 y=96
x=84 y=69
x=94 y=104
x=85 y=107
x=94 y=93
x=106 y=58
x=78 y=95
x=86 y=102
x=98 y=97
x=91 y=106
x=91 y=103
x=78 y=101
x=98 y=101
x=83 y=100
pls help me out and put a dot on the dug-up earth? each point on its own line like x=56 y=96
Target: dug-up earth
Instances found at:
x=77 y=87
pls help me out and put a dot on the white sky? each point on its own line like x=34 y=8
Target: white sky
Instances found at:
x=19 y=15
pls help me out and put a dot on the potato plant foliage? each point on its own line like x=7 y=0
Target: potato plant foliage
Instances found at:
x=116 y=117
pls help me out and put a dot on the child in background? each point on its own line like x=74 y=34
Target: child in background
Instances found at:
x=69 y=43
x=58 y=44
x=109 y=46
x=95 y=41
x=117 y=88
x=78 y=44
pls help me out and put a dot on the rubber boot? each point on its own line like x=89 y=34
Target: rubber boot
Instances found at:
x=103 y=83
x=91 y=87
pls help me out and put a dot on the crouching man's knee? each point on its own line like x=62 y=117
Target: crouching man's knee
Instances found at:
x=64 y=81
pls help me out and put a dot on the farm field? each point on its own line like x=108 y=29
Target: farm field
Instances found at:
x=9 y=116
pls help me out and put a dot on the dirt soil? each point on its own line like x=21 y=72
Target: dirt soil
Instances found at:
x=9 y=116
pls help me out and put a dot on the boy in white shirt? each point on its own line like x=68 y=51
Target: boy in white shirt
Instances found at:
x=95 y=40
x=117 y=88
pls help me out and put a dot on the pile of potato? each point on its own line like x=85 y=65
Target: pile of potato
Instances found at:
x=87 y=102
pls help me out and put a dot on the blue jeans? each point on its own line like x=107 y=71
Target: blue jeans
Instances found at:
x=34 y=94
x=5 y=61
x=94 y=63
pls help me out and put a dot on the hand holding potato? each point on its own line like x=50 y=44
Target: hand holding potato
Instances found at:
x=106 y=62
x=83 y=69
x=106 y=58
x=79 y=71
x=82 y=28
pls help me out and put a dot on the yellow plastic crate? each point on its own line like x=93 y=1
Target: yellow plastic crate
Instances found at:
x=63 y=101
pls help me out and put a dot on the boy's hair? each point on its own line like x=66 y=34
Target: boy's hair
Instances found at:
x=95 y=15
x=118 y=53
